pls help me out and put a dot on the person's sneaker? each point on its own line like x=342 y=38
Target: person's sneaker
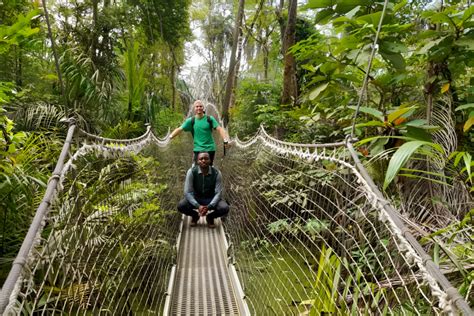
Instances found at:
x=193 y=223
x=210 y=223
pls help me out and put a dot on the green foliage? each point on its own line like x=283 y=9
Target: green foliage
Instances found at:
x=6 y=91
x=111 y=203
x=18 y=32
x=256 y=103
x=10 y=142
x=26 y=160
x=125 y=129
x=166 y=119
x=134 y=77
x=470 y=120
x=328 y=277
x=464 y=160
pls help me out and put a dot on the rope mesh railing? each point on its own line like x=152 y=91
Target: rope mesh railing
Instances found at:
x=309 y=234
x=108 y=242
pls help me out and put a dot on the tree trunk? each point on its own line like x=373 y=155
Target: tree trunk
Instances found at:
x=95 y=10
x=265 y=62
x=174 y=70
x=290 y=88
x=281 y=22
x=55 y=54
x=232 y=64
x=18 y=66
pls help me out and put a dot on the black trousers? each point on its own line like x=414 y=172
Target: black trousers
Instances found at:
x=221 y=209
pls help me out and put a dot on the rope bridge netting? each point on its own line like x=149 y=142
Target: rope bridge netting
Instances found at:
x=308 y=232
x=311 y=234
x=107 y=243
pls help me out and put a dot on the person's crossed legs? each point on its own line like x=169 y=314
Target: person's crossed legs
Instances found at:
x=186 y=208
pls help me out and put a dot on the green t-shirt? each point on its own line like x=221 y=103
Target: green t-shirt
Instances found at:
x=203 y=140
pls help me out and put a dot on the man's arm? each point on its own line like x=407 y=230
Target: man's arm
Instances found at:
x=188 y=188
x=222 y=133
x=217 y=192
x=176 y=132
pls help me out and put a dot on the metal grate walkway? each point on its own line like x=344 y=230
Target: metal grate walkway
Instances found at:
x=203 y=283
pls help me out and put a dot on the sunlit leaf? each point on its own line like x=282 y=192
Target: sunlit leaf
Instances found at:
x=316 y=4
x=464 y=106
x=467 y=162
x=465 y=42
x=468 y=124
x=445 y=88
x=467 y=14
x=370 y=111
x=314 y=94
x=402 y=155
x=399 y=112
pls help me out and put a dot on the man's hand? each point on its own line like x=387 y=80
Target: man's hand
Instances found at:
x=203 y=210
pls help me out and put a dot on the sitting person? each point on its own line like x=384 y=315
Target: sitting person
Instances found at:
x=202 y=191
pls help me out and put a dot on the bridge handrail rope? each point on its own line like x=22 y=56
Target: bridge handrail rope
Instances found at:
x=414 y=251
x=112 y=140
x=363 y=91
x=33 y=235
x=10 y=288
x=431 y=273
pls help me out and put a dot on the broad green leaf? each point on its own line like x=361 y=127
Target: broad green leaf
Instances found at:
x=417 y=122
x=317 y=4
x=467 y=14
x=344 y=6
x=317 y=79
x=370 y=111
x=323 y=16
x=438 y=17
x=351 y=13
x=399 y=112
x=328 y=68
x=369 y=139
x=402 y=155
x=465 y=42
x=418 y=133
x=464 y=106
x=395 y=60
x=429 y=45
x=392 y=47
x=314 y=94
x=399 y=5
x=372 y=18
x=370 y=124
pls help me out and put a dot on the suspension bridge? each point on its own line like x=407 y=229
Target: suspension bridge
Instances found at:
x=308 y=234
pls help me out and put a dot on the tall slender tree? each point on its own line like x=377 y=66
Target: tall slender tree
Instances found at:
x=232 y=64
x=290 y=87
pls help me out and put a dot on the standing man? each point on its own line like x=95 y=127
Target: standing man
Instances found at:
x=202 y=191
x=201 y=127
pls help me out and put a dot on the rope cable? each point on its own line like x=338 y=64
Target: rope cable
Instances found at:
x=295 y=209
x=367 y=72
